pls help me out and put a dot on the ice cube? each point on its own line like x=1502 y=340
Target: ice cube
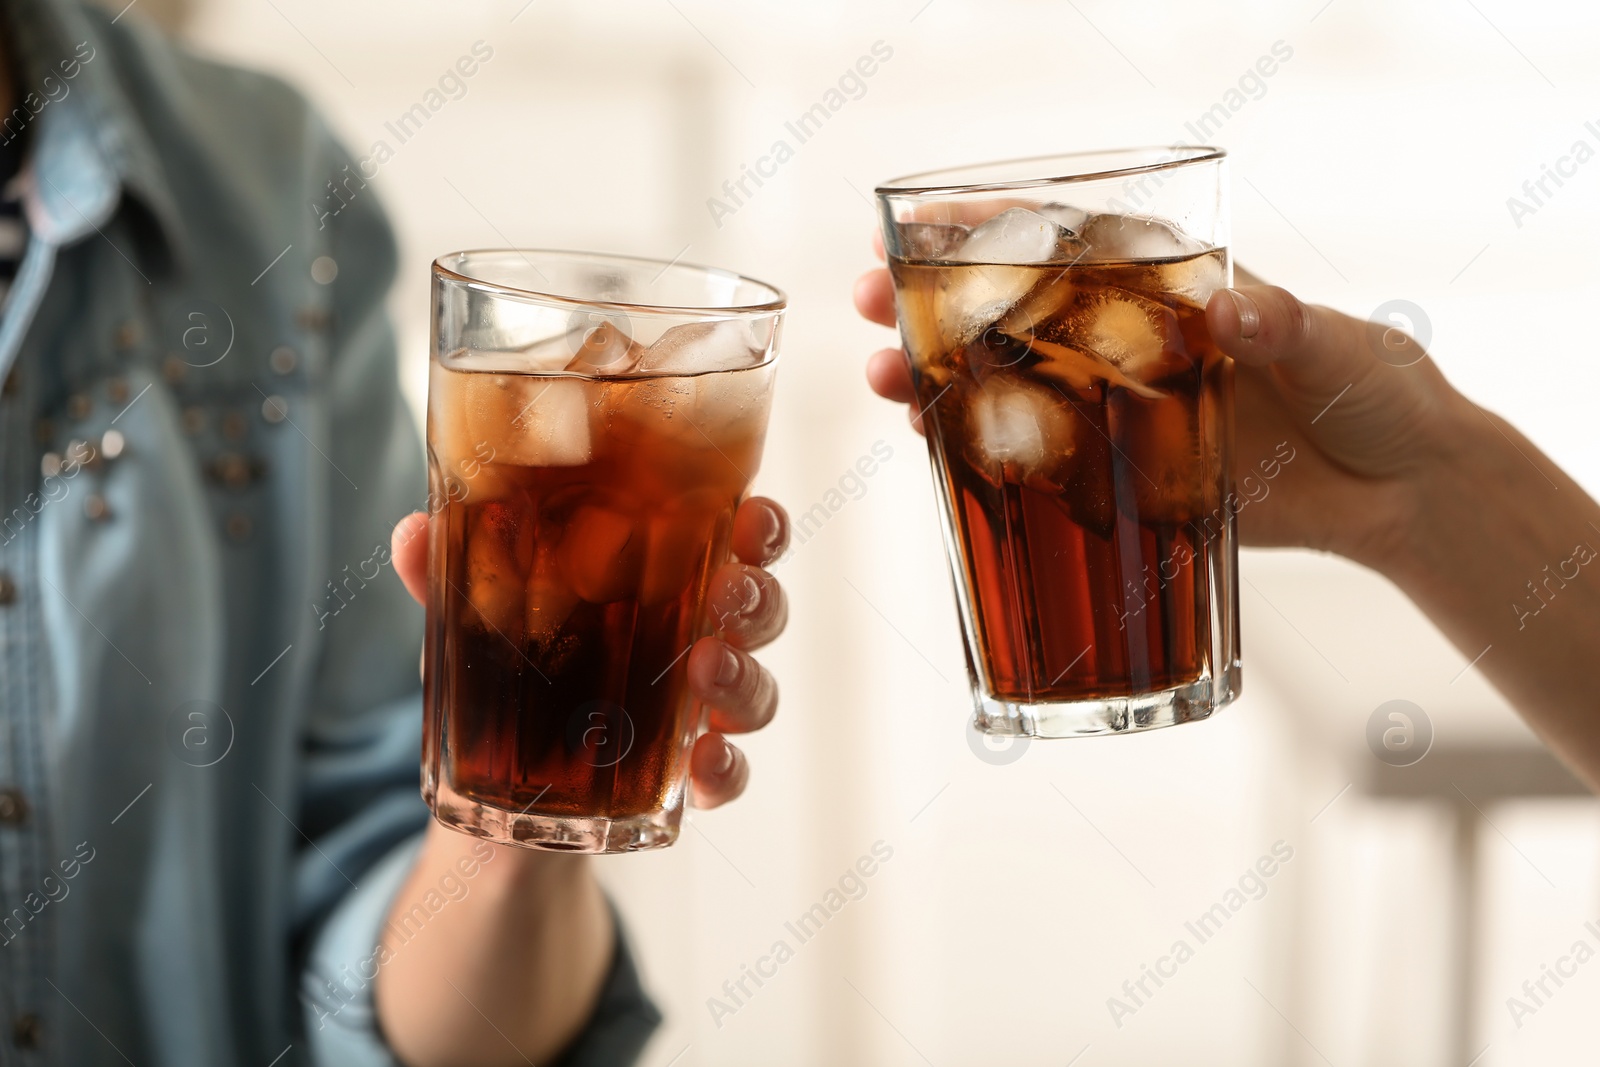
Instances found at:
x=537 y=421
x=602 y=347
x=723 y=344
x=1193 y=280
x=1081 y=370
x=1135 y=237
x=449 y=435
x=602 y=553
x=1160 y=440
x=930 y=240
x=495 y=540
x=721 y=412
x=1067 y=217
x=1014 y=236
x=1020 y=432
x=463 y=458
x=1000 y=249
x=1136 y=335
x=973 y=298
x=1049 y=297
x=681 y=534
x=549 y=599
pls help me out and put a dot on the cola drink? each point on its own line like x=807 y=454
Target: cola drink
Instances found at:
x=1086 y=493
x=579 y=517
x=1079 y=418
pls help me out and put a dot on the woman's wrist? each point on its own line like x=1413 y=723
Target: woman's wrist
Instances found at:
x=1456 y=491
x=506 y=868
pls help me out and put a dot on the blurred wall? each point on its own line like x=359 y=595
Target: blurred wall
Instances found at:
x=1014 y=893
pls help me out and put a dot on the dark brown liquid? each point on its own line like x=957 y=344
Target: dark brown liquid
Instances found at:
x=567 y=596
x=1082 y=441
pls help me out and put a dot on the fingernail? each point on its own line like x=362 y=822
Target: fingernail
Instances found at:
x=1249 y=314
x=771 y=530
x=724 y=761
x=728 y=670
x=747 y=591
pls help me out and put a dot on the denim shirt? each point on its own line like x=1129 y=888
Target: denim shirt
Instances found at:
x=209 y=698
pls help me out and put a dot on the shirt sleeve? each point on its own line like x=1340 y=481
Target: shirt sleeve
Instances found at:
x=344 y=1031
x=360 y=808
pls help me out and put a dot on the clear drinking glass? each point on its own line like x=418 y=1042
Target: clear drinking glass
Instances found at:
x=593 y=423
x=1080 y=423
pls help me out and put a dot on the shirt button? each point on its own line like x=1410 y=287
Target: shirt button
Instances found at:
x=113 y=444
x=194 y=420
x=13 y=807
x=324 y=270
x=8 y=589
x=274 y=409
x=96 y=508
x=127 y=334
x=79 y=406
x=173 y=369
x=117 y=391
x=282 y=360
x=234 y=426
x=27 y=1031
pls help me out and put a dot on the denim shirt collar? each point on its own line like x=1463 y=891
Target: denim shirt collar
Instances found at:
x=88 y=147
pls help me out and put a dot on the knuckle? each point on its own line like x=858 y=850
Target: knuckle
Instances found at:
x=1299 y=324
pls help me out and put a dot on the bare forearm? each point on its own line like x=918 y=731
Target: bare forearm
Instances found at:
x=1505 y=556
x=506 y=973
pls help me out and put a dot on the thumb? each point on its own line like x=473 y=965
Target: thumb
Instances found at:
x=408 y=549
x=1317 y=352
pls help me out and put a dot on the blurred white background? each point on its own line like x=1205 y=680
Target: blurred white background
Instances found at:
x=1374 y=164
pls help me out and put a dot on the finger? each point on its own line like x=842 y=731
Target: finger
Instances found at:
x=760 y=531
x=874 y=296
x=1316 y=350
x=877 y=246
x=742 y=694
x=890 y=375
x=747 y=605
x=408 y=548
x=718 y=770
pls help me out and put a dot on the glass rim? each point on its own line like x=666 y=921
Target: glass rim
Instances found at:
x=778 y=301
x=923 y=183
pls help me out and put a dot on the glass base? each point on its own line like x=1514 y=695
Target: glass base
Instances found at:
x=556 y=833
x=1110 y=715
